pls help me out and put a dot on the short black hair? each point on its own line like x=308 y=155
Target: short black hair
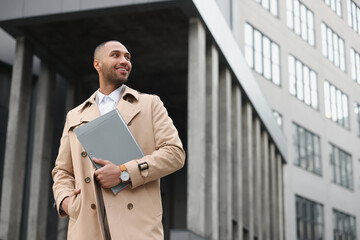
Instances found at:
x=101 y=45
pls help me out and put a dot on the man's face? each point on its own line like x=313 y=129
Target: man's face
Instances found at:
x=115 y=65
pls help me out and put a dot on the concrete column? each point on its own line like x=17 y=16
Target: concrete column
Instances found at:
x=273 y=194
x=236 y=163
x=225 y=186
x=265 y=186
x=70 y=95
x=212 y=145
x=40 y=167
x=257 y=177
x=69 y=104
x=196 y=128
x=248 y=201
x=16 y=141
x=280 y=182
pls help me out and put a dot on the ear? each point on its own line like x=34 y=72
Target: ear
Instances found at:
x=97 y=65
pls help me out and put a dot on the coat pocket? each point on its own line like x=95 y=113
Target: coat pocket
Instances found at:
x=74 y=206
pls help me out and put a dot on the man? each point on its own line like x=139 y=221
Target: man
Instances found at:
x=83 y=193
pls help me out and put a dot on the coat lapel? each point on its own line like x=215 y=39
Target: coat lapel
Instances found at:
x=127 y=105
x=127 y=110
x=89 y=111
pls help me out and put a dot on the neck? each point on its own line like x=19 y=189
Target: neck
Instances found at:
x=107 y=89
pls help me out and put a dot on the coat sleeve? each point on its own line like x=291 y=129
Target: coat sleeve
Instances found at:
x=63 y=174
x=169 y=154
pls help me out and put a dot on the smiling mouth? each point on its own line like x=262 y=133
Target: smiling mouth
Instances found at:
x=122 y=69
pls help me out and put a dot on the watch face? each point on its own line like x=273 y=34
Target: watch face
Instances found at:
x=124 y=176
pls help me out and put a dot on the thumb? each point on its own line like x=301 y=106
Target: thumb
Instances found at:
x=76 y=191
x=100 y=161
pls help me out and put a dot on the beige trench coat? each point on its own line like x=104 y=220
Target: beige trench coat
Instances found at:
x=136 y=211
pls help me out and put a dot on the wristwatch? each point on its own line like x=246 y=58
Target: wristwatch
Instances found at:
x=124 y=175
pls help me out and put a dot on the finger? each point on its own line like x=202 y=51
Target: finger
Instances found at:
x=100 y=161
x=76 y=191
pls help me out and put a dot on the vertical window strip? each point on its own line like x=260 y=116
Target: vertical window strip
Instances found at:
x=353 y=15
x=333 y=46
x=357 y=114
x=307 y=149
x=342 y=167
x=336 y=105
x=301 y=20
x=344 y=225
x=309 y=219
x=278 y=118
x=270 y=5
x=262 y=54
x=355 y=65
x=302 y=82
x=335 y=5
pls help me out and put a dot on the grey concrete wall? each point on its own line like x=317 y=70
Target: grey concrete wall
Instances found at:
x=225 y=166
x=16 y=142
x=297 y=180
x=17 y=9
x=212 y=144
x=196 y=127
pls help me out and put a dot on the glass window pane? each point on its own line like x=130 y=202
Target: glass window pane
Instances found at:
x=327 y=99
x=299 y=80
x=265 y=4
x=249 y=56
x=324 y=41
x=248 y=35
x=276 y=74
x=274 y=7
x=291 y=63
x=352 y=62
x=306 y=75
x=275 y=55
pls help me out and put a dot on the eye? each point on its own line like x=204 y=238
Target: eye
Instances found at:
x=127 y=58
x=115 y=55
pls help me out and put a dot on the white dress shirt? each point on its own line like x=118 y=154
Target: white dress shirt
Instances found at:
x=106 y=103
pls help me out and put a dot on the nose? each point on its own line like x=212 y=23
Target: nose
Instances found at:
x=124 y=61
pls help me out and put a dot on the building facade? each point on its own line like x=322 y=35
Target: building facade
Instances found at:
x=305 y=56
x=189 y=53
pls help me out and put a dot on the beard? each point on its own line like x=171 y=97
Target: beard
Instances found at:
x=113 y=77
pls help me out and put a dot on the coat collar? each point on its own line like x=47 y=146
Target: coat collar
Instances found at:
x=127 y=106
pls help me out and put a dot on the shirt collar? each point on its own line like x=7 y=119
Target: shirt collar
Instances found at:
x=114 y=95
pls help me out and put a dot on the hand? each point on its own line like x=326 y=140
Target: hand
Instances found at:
x=109 y=175
x=65 y=202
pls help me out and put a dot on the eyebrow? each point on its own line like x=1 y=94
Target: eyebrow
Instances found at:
x=118 y=51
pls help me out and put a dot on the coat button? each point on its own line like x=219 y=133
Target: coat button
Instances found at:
x=93 y=206
x=83 y=154
x=130 y=206
x=87 y=180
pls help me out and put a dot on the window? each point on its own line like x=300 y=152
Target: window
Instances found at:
x=341 y=167
x=309 y=219
x=301 y=20
x=278 y=118
x=357 y=114
x=303 y=82
x=335 y=5
x=270 y=5
x=344 y=226
x=262 y=54
x=353 y=15
x=336 y=105
x=355 y=65
x=306 y=149
x=333 y=46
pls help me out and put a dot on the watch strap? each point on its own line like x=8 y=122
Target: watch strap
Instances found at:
x=123 y=168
